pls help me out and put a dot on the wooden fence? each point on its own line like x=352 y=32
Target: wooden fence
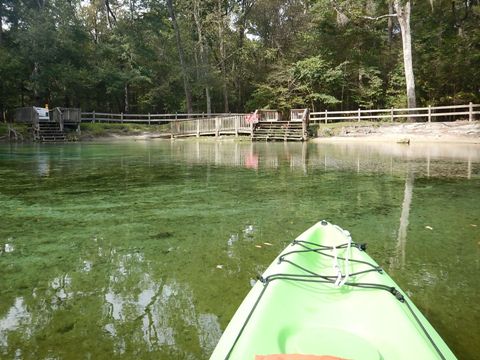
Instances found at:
x=429 y=114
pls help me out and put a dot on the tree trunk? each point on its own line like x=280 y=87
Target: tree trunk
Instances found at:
x=181 y=56
x=203 y=74
x=209 y=100
x=239 y=64
x=35 y=86
x=403 y=16
x=222 y=56
x=1 y=22
x=111 y=18
x=126 y=107
x=390 y=22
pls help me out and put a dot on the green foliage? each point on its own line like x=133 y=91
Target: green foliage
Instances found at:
x=277 y=54
x=107 y=129
x=312 y=82
x=369 y=89
x=395 y=94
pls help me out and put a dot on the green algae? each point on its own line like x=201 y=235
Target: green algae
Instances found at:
x=145 y=249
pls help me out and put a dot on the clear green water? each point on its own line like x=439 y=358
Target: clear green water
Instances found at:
x=144 y=250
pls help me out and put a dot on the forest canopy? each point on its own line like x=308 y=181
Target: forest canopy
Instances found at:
x=161 y=56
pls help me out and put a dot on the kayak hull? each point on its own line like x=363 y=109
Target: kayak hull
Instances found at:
x=297 y=308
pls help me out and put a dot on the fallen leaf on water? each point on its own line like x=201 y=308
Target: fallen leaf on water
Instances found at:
x=219 y=266
x=474 y=225
x=428 y=227
x=258 y=246
x=268 y=244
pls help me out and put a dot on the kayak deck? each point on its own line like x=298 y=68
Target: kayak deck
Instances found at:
x=324 y=295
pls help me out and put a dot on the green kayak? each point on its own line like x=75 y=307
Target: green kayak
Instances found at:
x=325 y=296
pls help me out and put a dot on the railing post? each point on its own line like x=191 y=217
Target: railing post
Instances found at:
x=391 y=114
x=93 y=119
x=326 y=116
x=237 y=124
x=429 y=113
x=470 y=111
x=148 y=118
x=217 y=127
x=198 y=128
x=121 y=117
x=359 y=114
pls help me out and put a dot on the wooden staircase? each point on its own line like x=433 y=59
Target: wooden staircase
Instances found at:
x=279 y=130
x=49 y=132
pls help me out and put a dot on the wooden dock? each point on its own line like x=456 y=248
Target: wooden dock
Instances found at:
x=261 y=125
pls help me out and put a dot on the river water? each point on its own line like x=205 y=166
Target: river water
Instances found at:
x=142 y=250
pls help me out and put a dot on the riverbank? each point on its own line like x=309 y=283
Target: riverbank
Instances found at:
x=443 y=132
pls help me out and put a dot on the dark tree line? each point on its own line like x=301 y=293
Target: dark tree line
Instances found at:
x=237 y=55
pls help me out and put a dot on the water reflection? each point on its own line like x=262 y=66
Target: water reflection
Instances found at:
x=399 y=259
x=16 y=316
x=137 y=309
x=425 y=159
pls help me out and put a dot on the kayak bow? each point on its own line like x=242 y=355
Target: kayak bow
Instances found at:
x=325 y=296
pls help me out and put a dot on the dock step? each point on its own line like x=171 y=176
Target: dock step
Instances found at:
x=49 y=132
x=279 y=130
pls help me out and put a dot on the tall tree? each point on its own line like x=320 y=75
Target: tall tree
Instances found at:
x=204 y=73
x=403 y=10
x=402 y=13
x=221 y=44
x=181 y=56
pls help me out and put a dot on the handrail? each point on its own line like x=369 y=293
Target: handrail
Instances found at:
x=60 y=117
x=147 y=118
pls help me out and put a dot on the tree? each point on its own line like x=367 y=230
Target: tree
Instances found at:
x=402 y=14
x=181 y=57
x=221 y=45
x=403 y=10
x=204 y=68
x=311 y=82
x=222 y=55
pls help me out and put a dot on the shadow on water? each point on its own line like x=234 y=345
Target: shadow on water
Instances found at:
x=145 y=249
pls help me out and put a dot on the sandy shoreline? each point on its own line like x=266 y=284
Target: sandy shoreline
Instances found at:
x=459 y=132
x=406 y=138
x=452 y=132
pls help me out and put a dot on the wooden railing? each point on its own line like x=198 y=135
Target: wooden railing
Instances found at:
x=144 y=118
x=430 y=113
x=219 y=125
x=178 y=125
